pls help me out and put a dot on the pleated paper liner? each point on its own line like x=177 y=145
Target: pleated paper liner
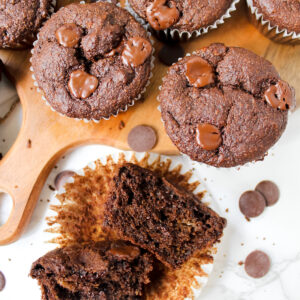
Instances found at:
x=274 y=33
x=78 y=218
x=183 y=35
x=121 y=109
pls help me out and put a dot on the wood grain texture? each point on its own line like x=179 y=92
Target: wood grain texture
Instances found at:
x=24 y=170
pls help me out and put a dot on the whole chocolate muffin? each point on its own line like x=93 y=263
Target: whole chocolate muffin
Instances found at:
x=20 y=21
x=184 y=15
x=282 y=13
x=92 y=60
x=225 y=106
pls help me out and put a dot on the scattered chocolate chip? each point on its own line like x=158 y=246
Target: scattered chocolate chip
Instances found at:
x=170 y=53
x=142 y=138
x=269 y=190
x=68 y=35
x=257 y=264
x=162 y=15
x=28 y=143
x=121 y=124
x=199 y=72
x=252 y=204
x=51 y=187
x=81 y=84
x=208 y=136
x=2 y=281
x=136 y=51
x=61 y=178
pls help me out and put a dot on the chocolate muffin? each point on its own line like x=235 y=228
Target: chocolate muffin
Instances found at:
x=164 y=219
x=102 y=270
x=184 y=15
x=225 y=106
x=284 y=14
x=20 y=21
x=92 y=60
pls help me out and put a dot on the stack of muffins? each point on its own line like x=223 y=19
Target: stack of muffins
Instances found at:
x=222 y=106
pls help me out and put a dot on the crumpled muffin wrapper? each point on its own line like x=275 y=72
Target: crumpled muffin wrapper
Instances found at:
x=274 y=33
x=183 y=35
x=121 y=109
x=78 y=216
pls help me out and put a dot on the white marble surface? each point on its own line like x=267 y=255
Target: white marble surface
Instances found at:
x=276 y=231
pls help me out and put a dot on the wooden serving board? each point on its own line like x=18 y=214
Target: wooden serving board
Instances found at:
x=24 y=169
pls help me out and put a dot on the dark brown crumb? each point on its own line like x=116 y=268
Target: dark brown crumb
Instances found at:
x=1 y=156
x=240 y=263
x=48 y=200
x=3 y=140
x=51 y=187
x=154 y=214
x=227 y=210
x=121 y=124
x=55 y=167
x=41 y=200
x=29 y=143
x=248 y=219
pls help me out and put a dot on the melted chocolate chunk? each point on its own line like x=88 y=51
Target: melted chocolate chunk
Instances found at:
x=161 y=15
x=252 y=204
x=136 y=51
x=142 y=138
x=82 y=84
x=257 y=264
x=199 y=72
x=68 y=35
x=280 y=95
x=124 y=251
x=269 y=190
x=208 y=136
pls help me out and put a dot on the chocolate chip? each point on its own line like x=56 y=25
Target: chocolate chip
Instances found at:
x=68 y=35
x=81 y=84
x=142 y=138
x=136 y=51
x=252 y=204
x=170 y=53
x=269 y=190
x=162 y=15
x=208 y=136
x=199 y=72
x=61 y=179
x=257 y=264
x=2 y=281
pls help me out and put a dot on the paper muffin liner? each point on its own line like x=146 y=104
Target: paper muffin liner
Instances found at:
x=238 y=167
x=272 y=32
x=183 y=35
x=121 y=109
x=80 y=197
x=26 y=43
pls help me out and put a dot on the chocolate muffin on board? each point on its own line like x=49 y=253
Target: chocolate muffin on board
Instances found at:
x=92 y=60
x=98 y=270
x=224 y=106
x=156 y=215
x=20 y=21
x=182 y=19
x=277 y=19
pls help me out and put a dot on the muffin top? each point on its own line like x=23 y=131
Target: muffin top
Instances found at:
x=282 y=13
x=224 y=106
x=20 y=20
x=92 y=60
x=184 y=15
